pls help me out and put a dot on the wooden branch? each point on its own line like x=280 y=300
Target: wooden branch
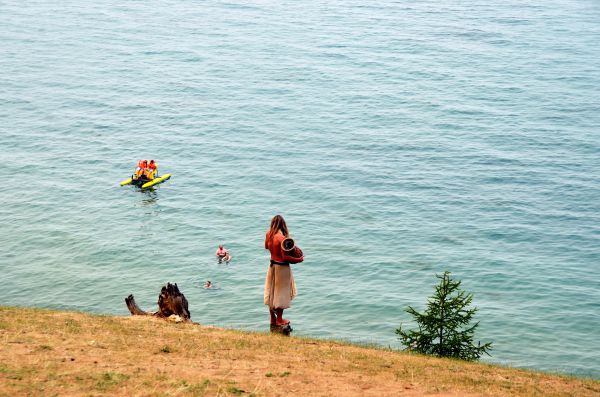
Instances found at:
x=134 y=309
x=171 y=301
x=172 y=305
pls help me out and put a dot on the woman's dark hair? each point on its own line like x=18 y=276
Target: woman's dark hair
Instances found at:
x=277 y=224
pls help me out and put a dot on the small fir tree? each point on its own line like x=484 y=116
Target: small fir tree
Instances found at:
x=444 y=328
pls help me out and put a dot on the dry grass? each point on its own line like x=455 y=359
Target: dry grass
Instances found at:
x=63 y=353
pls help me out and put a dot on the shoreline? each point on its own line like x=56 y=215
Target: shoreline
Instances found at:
x=364 y=342
x=77 y=353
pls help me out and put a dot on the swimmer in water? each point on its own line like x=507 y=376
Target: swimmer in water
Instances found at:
x=222 y=254
x=208 y=284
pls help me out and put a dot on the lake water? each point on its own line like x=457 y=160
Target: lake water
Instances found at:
x=399 y=139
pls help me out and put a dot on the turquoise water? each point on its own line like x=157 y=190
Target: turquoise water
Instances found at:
x=399 y=140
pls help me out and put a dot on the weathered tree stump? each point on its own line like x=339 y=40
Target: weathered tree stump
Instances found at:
x=172 y=305
x=284 y=330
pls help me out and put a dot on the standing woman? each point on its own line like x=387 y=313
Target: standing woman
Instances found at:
x=280 y=287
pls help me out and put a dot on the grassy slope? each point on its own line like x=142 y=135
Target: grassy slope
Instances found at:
x=64 y=353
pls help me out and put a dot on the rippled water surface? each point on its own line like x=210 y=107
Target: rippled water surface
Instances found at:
x=399 y=139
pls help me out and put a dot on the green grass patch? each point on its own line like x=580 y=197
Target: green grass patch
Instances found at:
x=166 y=349
x=16 y=373
x=72 y=326
x=235 y=390
x=110 y=379
x=196 y=389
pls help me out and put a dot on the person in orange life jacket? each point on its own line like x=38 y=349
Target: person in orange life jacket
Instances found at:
x=141 y=169
x=154 y=168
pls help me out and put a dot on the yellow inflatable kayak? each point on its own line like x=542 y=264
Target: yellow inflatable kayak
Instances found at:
x=127 y=182
x=156 y=181
x=144 y=183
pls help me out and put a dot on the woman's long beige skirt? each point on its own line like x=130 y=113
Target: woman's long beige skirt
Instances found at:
x=280 y=287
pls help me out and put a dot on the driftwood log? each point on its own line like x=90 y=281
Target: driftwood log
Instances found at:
x=172 y=305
